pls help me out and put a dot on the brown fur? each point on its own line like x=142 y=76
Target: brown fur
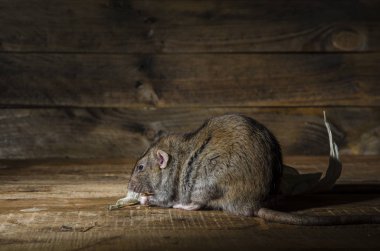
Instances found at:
x=231 y=163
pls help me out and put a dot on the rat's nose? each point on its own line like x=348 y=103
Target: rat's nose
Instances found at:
x=135 y=186
x=131 y=185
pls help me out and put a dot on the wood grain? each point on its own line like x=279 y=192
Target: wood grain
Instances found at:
x=61 y=205
x=103 y=133
x=86 y=85
x=193 y=80
x=149 y=26
x=29 y=177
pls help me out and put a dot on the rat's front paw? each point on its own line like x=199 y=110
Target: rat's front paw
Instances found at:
x=145 y=199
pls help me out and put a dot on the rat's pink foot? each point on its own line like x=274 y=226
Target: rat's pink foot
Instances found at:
x=190 y=207
x=178 y=206
x=144 y=199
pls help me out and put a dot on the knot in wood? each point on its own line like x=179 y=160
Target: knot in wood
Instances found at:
x=347 y=40
x=146 y=93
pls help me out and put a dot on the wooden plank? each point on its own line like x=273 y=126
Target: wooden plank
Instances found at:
x=149 y=26
x=254 y=237
x=32 y=178
x=61 y=205
x=189 y=80
x=103 y=133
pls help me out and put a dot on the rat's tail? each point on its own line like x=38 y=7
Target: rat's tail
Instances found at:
x=296 y=219
x=326 y=183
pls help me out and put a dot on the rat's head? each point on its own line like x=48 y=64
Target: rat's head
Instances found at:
x=149 y=169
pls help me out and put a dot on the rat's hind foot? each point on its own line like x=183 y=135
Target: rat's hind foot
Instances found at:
x=190 y=207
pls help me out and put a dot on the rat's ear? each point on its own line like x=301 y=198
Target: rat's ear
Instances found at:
x=162 y=158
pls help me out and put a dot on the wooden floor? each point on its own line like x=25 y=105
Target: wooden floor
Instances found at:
x=62 y=205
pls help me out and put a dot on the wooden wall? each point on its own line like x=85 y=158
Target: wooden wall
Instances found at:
x=99 y=78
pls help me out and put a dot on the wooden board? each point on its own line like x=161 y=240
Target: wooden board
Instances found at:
x=61 y=205
x=103 y=133
x=194 y=80
x=149 y=26
x=29 y=177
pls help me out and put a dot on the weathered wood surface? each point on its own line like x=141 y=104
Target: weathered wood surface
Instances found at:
x=103 y=133
x=189 y=80
x=61 y=205
x=133 y=26
x=138 y=67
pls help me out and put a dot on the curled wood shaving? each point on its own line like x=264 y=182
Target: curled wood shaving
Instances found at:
x=294 y=183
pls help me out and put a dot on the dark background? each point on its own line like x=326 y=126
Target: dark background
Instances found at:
x=100 y=78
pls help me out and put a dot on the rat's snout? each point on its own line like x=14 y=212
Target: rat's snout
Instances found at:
x=138 y=186
x=134 y=186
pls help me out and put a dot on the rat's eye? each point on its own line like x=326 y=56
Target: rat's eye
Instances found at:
x=140 y=168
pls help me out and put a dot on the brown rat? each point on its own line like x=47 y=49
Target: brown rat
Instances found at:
x=231 y=163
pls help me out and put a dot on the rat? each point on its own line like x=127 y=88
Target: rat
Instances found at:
x=231 y=163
